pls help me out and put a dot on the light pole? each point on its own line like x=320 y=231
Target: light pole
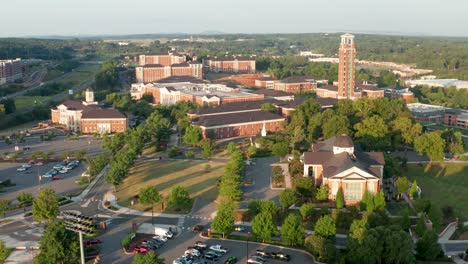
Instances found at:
x=247 y=243
x=80 y=224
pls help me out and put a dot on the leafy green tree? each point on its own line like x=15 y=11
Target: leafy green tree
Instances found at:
x=304 y=187
x=80 y=154
x=269 y=207
x=408 y=130
x=58 y=245
x=268 y=107
x=402 y=185
x=189 y=154
x=322 y=248
x=97 y=163
x=230 y=187
x=405 y=220
x=207 y=146
x=292 y=231
x=431 y=144
x=149 y=258
x=263 y=226
x=322 y=193
x=252 y=151
x=231 y=147
x=149 y=196
x=280 y=149
x=179 y=197
x=334 y=126
x=254 y=207
x=367 y=202
x=287 y=198
x=24 y=198
x=4 y=206
x=421 y=226
x=427 y=247
x=224 y=219
x=306 y=210
x=379 y=200
x=414 y=190
x=45 y=206
x=339 y=199
x=325 y=227
x=193 y=135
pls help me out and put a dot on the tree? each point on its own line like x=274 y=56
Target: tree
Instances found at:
x=325 y=227
x=58 y=245
x=4 y=206
x=263 y=226
x=427 y=247
x=207 y=146
x=367 y=202
x=231 y=147
x=3 y=251
x=149 y=258
x=292 y=230
x=379 y=200
x=405 y=220
x=24 y=198
x=254 y=207
x=322 y=194
x=306 y=210
x=414 y=190
x=402 y=185
x=339 y=199
x=224 y=219
x=179 y=197
x=421 y=225
x=287 y=198
x=252 y=151
x=230 y=187
x=269 y=207
x=373 y=127
x=322 y=248
x=80 y=154
x=408 y=130
x=280 y=149
x=45 y=206
x=149 y=195
x=193 y=135
x=268 y=107
x=431 y=144
x=336 y=125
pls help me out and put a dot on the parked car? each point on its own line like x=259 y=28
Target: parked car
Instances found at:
x=197 y=228
x=262 y=253
x=27 y=148
x=161 y=231
x=230 y=260
x=140 y=249
x=58 y=166
x=192 y=252
x=182 y=260
x=280 y=256
x=31 y=162
x=160 y=238
x=47 y=175
x=56 y=178
x=218 y=254
x=92 y=242
x=239 y=228
x=219 y=248
x=21 y=169
x=200 y=244
x=27 y=166
x=211 y=256
x=256 y=260
x=53 y=172
x=40 y=163
x=155 y=243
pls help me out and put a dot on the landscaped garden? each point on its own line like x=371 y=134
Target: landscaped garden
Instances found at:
x=198 y=178
x=444 y=184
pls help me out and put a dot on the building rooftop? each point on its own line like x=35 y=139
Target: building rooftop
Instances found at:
x=180 y=79
x=236 y=118
x=231 y=58
x=298 y=79
x=266 y=78
x=99 y=113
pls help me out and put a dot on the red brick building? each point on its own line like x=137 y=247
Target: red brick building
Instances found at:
x=164 y=59
x=296 y=84
x=230 y=64
x=266 y=82
x=155 y=72
x=347 y=54
x=336 y=163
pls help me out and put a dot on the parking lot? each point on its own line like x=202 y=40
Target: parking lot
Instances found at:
x=260 y=174
x=28 y=181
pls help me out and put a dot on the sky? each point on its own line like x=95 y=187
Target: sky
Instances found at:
x=115 y=17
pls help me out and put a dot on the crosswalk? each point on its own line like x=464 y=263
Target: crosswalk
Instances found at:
x=198 y=217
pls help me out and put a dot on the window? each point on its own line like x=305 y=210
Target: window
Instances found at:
x=353 y=191
x=371 y=187
x=334 y=189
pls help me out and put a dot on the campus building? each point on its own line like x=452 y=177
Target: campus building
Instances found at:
x=164 y=59
x=230 y=64
x=171 y=90
x=439 y=114
x=347 y=54
x=10 y=71
x=337 y=163
x=154 y=72
x=87 y=117
x=296 y=84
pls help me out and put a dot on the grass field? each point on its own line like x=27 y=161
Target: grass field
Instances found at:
x=398 y=208
x=22 y=102
x=443 y=185
x=167 y=174
x=52 y=74
x=83 y=73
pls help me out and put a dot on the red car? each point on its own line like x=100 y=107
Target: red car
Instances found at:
x=56 y=178
x=31 y=162
x=91 y=241
x=140 y=249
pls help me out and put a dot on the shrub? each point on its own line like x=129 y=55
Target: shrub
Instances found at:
x=190 y=154
x=127 y=239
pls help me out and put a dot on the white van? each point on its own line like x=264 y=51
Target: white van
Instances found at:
x=161 y=231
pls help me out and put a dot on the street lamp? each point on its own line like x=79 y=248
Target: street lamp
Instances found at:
x=247 y=253
x=80 y=224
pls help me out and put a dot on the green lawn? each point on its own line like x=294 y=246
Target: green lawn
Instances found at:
x=5 y=256
x=52 y=74
x=444 y=185
x=397 y=208
x=83 y=73
x=22 y=102
x=167 y=174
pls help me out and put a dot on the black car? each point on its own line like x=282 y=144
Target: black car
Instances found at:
x=211 y=256
x=197 y=228
x=280 y=256
x=156 y=243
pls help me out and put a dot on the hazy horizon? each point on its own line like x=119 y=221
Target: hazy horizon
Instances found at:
x=118 y=17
